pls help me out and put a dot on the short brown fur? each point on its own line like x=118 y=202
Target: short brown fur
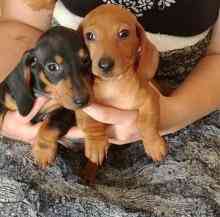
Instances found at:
x=128 y=85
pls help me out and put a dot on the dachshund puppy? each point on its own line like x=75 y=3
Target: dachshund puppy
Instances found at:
x=58 y=67
x=123 y=62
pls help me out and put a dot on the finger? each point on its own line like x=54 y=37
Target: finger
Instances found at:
x=39 y=103
x=75 y=133
x=28 y=133
x=110 y=115
x=122 y=142
x=25 y=133
x=32 y=130
x=87 y=151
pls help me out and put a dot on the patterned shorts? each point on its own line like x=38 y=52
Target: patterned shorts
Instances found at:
x=175 y=65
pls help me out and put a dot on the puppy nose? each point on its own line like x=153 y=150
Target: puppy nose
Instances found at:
x=106 y=64
x=81 y=101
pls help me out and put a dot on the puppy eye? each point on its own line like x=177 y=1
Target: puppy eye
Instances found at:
x=123 y=34
x=32 y=62
x=52 y=67
x=90 y=36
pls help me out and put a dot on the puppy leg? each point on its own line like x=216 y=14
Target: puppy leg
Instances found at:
x=96 y=145
x=148 y=123
x=57 y=125
x=88 y=173
x=95 y=137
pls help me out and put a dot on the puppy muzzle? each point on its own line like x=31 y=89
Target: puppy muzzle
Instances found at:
x=81 y=102
x=106 y=64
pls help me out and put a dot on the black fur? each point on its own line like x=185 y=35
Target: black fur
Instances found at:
x=62 y=119
x=66 y=43
x=62 y=42
x=20 y=91
x=56 y=41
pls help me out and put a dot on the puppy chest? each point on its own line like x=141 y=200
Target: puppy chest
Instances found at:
x=120 y=96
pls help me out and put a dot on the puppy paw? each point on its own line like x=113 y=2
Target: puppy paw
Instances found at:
x=44 y=153
x=157 y=150
x=88 y=174
x=96 y=153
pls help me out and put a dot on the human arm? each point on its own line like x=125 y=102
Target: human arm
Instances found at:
x=20 y=27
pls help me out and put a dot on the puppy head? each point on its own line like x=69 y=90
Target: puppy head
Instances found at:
x=116 y=42
x=60 y=66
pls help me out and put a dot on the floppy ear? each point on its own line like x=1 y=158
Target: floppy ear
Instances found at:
x=147 y=56
x=80 y=30
x=19 y=84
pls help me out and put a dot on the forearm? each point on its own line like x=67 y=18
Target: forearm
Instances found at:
x=15 y=39
x=21 y=10
x=20 y=27
x=196 y=97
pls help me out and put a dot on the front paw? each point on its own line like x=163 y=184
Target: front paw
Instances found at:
x=88 y=174
x=97 y=152
x=156 y=149
x=44 y=153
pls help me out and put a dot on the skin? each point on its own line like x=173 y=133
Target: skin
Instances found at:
x=27 y=24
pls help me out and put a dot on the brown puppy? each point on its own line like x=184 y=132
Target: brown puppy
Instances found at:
x=123 y=62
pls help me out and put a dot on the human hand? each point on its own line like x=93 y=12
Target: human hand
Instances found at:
x=122 y=124
x=18 y=127
x=122 y=127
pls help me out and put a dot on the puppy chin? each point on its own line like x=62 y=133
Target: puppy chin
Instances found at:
x=74 y=106
x=66 y=103
x=69 y=106
x=103 y=75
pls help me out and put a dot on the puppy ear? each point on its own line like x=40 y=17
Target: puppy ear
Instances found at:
x=18 y=83
x=147 y=55
x=80 y=30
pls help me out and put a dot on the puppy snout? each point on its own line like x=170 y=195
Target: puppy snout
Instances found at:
x=106 y=64
x=81 y=102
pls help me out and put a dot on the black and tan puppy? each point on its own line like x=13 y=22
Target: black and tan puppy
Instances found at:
x=58 y=67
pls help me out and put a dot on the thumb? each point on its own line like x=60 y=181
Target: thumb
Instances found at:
x=110 y=115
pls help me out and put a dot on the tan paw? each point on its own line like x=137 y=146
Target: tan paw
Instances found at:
x=88 y=174
x=157 y=149
x=96 y=153
x=44 y=154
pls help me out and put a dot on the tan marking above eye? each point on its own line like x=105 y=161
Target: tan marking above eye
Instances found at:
x=59 y=59
x=43 y=78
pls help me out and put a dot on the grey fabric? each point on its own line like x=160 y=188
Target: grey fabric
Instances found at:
x=186 y=184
